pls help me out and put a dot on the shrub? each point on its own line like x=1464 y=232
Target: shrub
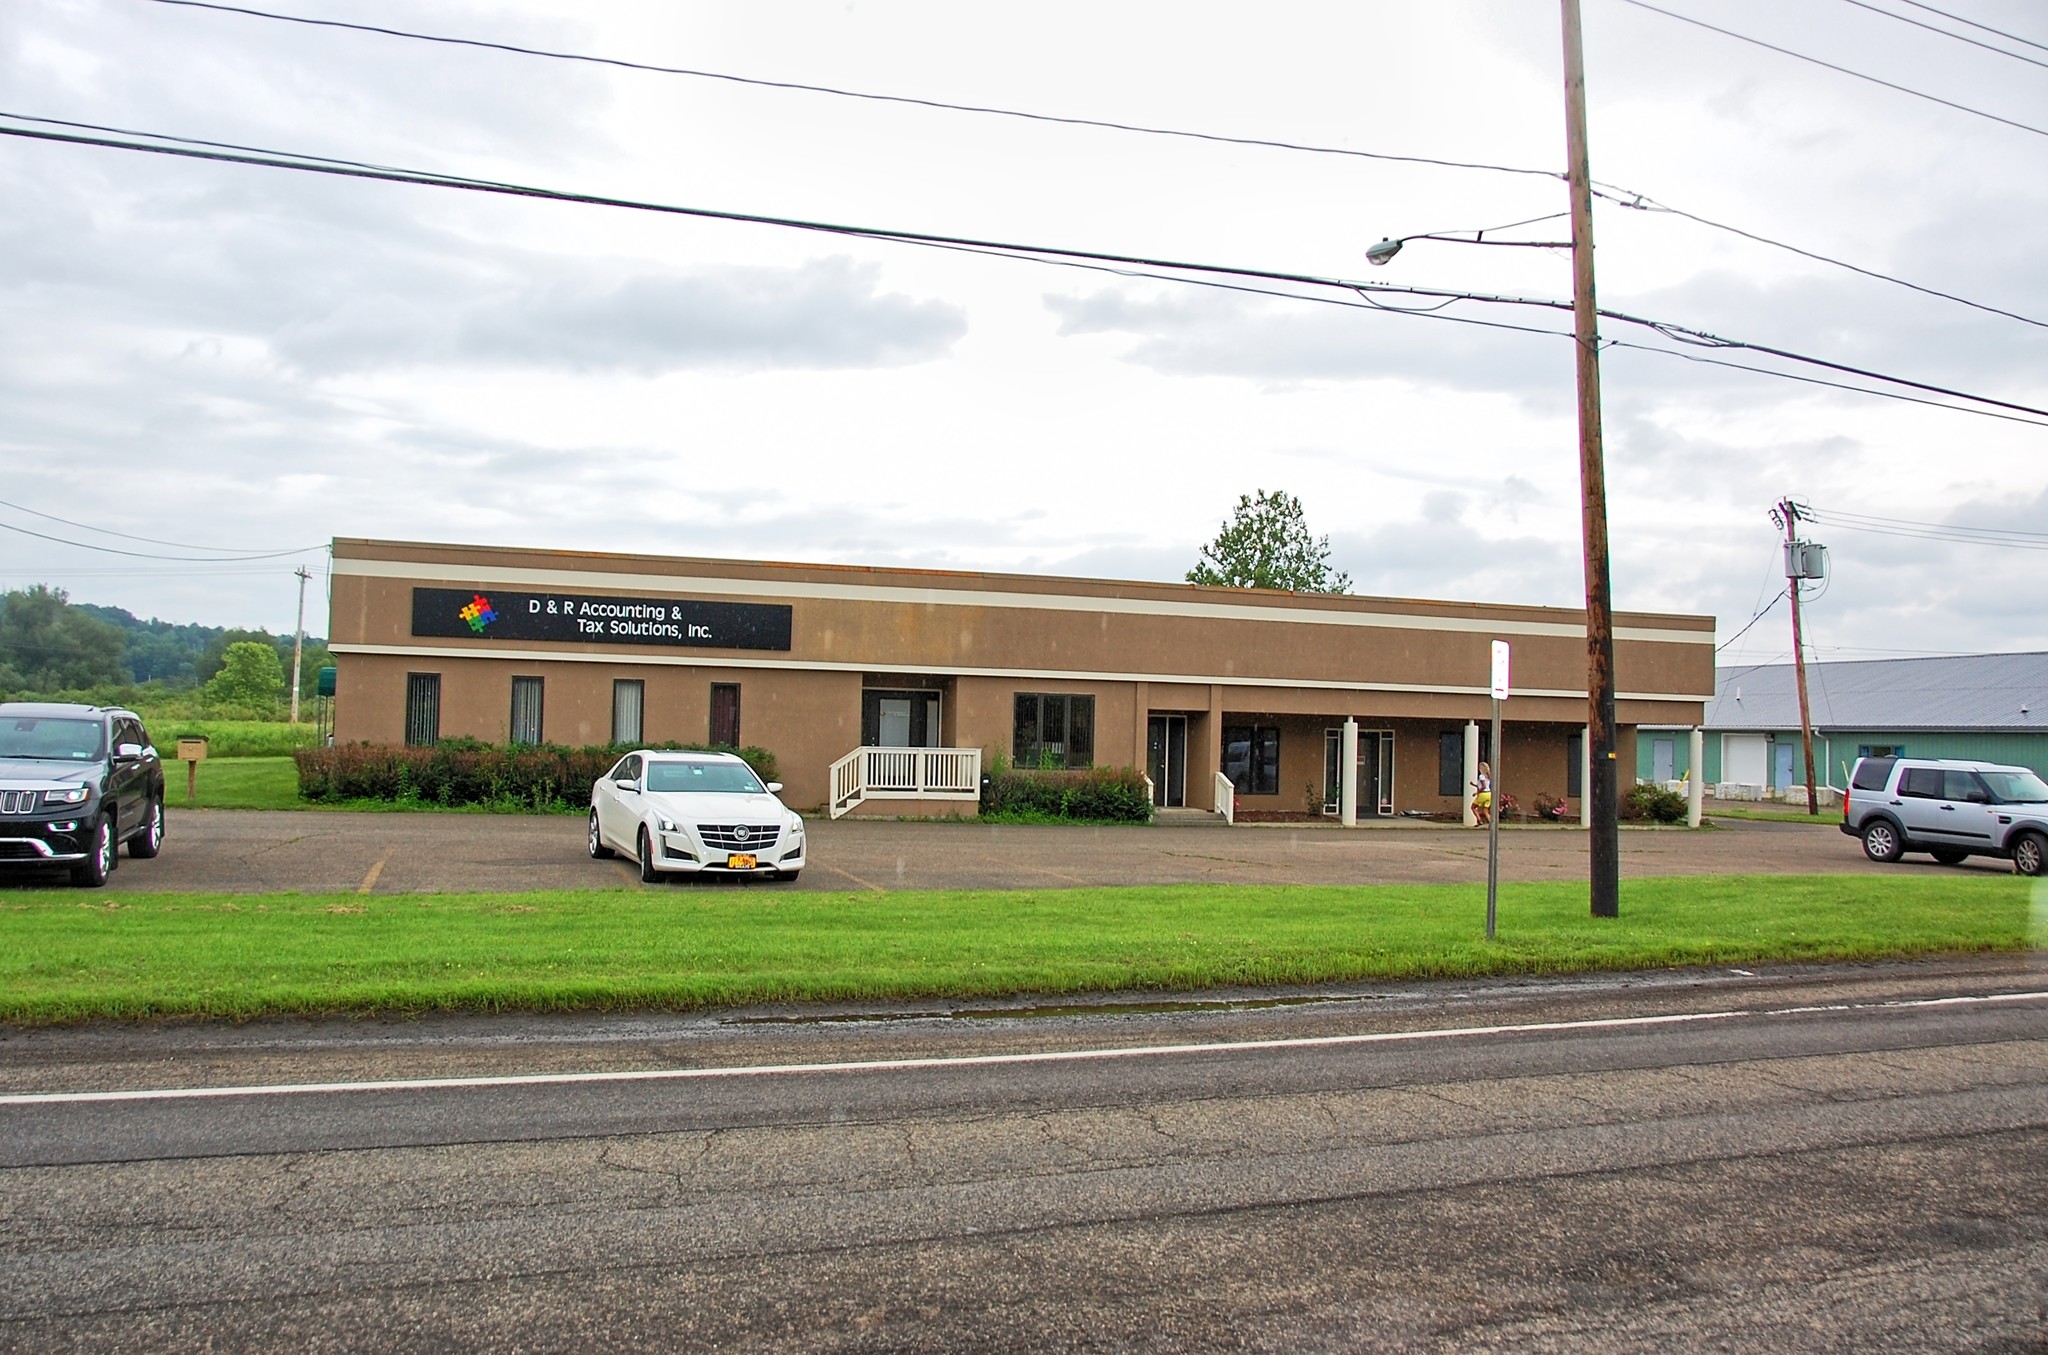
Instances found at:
x=1652 y=802
x=1099 y=794
x=1551 y=808
x=470 y=772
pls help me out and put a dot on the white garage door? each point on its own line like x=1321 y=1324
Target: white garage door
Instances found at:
x=1743 y=759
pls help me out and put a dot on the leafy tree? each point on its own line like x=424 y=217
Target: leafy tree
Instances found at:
x=1266 y=544
x=47 y=645
x=218 y=642
x=250 y=675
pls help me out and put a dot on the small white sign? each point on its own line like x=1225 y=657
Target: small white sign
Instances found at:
x=1500 y=670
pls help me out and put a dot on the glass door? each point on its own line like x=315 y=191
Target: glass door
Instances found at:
x=1166 y=759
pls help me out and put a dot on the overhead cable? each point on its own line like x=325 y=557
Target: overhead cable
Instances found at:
x=149 y=540
x=1680 y=333
x=1959 y=37
x=1843 y=70
x=1616 y=194
x=1648 y=204
x=144 y=555
x=1972 y=23
x=911 y=100
x=1766 y=611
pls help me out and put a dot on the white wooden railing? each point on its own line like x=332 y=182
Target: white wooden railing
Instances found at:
x=1226 y=799
x=905 y=774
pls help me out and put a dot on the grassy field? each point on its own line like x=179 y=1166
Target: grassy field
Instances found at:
x=67 y=957
x=232 y=738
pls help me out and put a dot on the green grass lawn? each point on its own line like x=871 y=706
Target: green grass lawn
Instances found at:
x=236 y=783
x=67 y=956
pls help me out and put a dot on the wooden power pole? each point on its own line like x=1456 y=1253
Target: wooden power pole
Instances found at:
x=1603 y=790
x=1796 y=573
x=299 y=641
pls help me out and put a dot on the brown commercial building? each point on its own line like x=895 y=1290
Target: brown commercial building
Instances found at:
x=891 y=690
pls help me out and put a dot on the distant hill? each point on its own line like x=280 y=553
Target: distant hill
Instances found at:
x=185 y=654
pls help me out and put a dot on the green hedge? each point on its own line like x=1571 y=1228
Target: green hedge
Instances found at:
x=470 y=772
x=1106 y=794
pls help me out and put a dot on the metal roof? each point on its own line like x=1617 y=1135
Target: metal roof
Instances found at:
x=2004 y=692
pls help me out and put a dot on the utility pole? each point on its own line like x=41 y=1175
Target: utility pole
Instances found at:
x=1603 y=788
x=1797 y=567
x=299 y=641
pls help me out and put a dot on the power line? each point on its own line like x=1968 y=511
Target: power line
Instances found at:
x=1768 y=607
x=1821 y=381
x=1843 y=70
x=1030 y=252
x=144 y=555
x=149 y=540
x=837 y=92
x=1932 y=531
x=1648 y=204
x=1959 y=37
x=1622 y=196
x=1986 y=28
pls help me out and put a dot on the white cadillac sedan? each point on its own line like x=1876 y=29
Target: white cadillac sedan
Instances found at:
x=694 y=813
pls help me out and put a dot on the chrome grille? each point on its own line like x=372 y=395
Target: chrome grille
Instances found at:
x=739 y=837
x=18 y=801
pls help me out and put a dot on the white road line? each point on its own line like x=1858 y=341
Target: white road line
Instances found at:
x=970 y=1060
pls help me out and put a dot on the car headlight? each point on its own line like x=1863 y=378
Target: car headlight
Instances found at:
x=666 y=825
x=68 y=795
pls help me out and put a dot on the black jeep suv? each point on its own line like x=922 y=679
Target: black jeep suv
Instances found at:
x=75 y=783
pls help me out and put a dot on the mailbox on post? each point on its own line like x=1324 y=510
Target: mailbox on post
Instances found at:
x=191 y=752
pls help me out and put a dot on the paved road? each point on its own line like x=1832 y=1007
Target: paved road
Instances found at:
x=1841 y=1159
x=238 y=850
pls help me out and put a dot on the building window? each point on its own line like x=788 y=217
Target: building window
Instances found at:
x=1251 y=758
x=526 y=703
x=1054 y=731
x=1575 y=764
x=422 y=709
x=1450 y=760
x=725 y=714
x=629 y=701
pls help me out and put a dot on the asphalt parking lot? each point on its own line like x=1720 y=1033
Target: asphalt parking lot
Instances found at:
x=249 y=851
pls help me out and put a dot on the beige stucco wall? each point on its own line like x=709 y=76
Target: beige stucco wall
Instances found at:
x=1213 y=654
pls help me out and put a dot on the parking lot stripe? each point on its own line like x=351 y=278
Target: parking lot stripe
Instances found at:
x=992 y=1060
x=370 y=880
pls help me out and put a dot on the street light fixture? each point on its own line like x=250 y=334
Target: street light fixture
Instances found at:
x=1379 y=254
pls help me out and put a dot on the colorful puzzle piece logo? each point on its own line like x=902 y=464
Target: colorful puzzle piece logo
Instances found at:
x=478 y=613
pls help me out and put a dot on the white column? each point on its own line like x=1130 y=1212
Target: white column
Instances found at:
x=1586 y=776
x=1696 y=775
x=1347 y=773
x=1465 y=813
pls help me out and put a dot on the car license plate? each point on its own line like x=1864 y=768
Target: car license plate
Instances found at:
x=740 y=861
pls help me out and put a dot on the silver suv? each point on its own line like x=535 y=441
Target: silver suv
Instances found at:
x=1950 y=810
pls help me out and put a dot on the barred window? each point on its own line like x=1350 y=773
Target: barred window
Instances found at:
x=1053 y=730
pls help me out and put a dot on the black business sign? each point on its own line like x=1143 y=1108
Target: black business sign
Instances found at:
x=586 y=618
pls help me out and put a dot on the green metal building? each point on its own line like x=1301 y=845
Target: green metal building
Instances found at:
x=1988 y=707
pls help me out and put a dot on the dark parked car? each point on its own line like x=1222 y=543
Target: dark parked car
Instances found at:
x=75 y=783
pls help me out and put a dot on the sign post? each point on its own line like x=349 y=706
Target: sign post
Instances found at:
x=1500 y=694
x=192 y=752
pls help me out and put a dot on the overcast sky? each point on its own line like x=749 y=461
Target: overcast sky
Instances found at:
x=251 y=360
